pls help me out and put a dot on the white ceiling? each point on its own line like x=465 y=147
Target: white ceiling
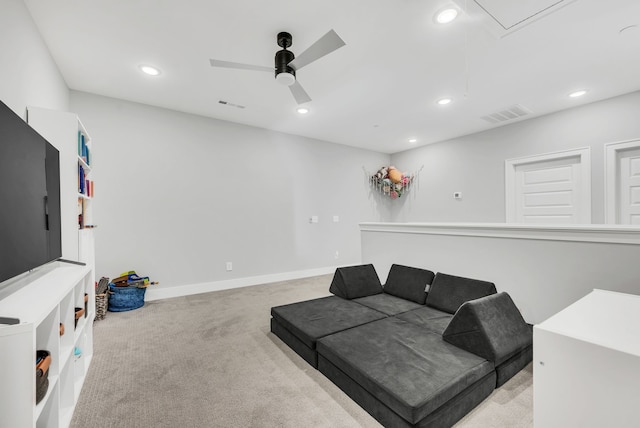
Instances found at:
x=377 y=91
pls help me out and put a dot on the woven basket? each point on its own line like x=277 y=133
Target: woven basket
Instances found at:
x=42 y=374
x=102 y=298
x=79 y=314
x=102 y=302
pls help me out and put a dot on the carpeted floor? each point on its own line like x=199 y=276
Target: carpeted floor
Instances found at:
x=209 y=360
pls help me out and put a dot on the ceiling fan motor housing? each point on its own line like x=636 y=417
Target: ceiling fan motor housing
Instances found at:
x=284 y=73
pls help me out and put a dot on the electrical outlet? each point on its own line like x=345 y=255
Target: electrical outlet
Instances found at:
x=336 y=219
x=229 y=266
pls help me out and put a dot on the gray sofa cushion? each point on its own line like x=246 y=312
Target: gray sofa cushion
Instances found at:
x=491 y=327
x=448 y=292
x=513 y=365
x=444 y=417
x=424 y=313
x=410 y=370
x=428 y=318
x=312 y=319
x=408 y=283
x=355 y=281
x=300 y=348
x=388 y=304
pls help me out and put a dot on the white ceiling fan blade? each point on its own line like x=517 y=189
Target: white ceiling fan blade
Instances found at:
x=299 y=93
x=237 y=65
x=323 y=46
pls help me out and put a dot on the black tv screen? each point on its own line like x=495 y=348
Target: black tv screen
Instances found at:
x=30 y=230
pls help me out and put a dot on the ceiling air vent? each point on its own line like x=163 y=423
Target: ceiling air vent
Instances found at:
x=514 y=112
x=227 y=103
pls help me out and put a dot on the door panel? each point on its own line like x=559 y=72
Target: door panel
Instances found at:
x=549 y=188
x=558 y=198
x=629 y=186
x=546 y=175
x=548 y=191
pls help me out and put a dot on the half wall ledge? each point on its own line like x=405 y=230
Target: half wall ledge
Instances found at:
x=544 y=268
x=616 y=234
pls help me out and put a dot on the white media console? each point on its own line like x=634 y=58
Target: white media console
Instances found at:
x=43 y=300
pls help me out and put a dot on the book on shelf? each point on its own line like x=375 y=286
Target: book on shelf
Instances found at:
x=80 y=213
x=89 y=188
x=81 y=179
x=83 y=150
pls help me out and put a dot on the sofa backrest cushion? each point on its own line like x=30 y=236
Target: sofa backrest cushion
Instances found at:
x=491 y=327
x=409 y=283
x=355 y=281
x=448 y=292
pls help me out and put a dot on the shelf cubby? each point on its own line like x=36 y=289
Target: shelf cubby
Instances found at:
x=67 y=320
x=49 y=417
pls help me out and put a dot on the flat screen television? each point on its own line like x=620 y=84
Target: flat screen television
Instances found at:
x=30 y=227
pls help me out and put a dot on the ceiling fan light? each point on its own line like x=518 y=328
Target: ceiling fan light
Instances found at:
x=285 y=78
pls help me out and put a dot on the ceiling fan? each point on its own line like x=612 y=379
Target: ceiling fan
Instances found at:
x=286 y=64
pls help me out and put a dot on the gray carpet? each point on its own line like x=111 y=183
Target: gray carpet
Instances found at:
x=209 y=360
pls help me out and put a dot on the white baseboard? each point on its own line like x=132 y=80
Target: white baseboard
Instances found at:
x=206 y=287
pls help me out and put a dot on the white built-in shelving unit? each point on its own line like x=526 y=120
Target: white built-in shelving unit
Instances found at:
x=85 y=181
x=47 y=296
x=45 y=299
x=66 y=132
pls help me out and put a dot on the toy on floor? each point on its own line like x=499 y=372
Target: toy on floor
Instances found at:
x=132 y=279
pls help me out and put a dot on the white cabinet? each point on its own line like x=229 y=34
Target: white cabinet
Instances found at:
x=587 y=364
x=45 y=299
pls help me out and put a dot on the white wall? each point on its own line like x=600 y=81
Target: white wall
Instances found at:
x=474 y=164
x=178 y=195
x=543 y=269
x=28 y=75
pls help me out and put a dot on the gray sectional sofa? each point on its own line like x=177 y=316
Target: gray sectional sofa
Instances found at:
x=408 y=356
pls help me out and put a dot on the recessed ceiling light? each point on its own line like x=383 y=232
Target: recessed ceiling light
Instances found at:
x=447 y=15
x=412 y=140
x=303 y=110
x=444 y=101
x=577 y=94
x=151 y=71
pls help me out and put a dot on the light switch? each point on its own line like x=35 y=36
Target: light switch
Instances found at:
x=336 y=219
